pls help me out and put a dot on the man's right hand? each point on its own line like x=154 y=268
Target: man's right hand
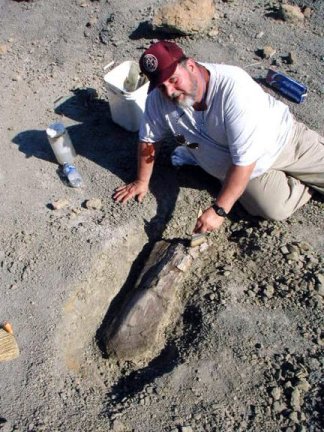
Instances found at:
x=136 y=189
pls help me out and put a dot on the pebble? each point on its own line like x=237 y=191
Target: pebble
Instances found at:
x=185 y=263
x=307 y=12
x=293 y=248
x=92 y=21
x=292 y=58
x=295 y=399
x=294 y=416
x=94 y=204
x=213 y=33
x=16 y=78
x=320 y=284
x=303 y=385
x=304 y=246
x=118 y=426
x=284 y=250
x=268 y=52
x=186 y=429
x=59 y=203
x=203 y=247
x=278 y=407
x=269 y=291
x=293 y=256
x=276 y=393
x=3 y=49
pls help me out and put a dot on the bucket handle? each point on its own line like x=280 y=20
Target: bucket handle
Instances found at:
x=109 y=65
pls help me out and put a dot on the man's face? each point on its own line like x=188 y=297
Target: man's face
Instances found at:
x=181 y=87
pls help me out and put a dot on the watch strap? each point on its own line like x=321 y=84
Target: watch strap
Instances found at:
x=219 y=210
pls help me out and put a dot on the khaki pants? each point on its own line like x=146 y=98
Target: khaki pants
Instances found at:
x=286 y=185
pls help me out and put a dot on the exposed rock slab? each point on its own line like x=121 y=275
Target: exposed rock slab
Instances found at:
x=138 y=332
x=184 y=16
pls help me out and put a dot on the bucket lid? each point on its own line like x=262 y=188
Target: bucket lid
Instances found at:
x=55 y=130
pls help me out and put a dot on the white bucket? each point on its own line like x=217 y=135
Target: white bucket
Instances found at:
x=127 y=107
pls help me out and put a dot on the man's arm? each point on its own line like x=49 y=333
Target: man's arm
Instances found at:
x=139 y=187
x=234 y=185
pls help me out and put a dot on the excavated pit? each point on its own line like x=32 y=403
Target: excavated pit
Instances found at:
x=84 y=311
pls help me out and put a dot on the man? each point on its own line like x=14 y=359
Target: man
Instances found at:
x=233 y=130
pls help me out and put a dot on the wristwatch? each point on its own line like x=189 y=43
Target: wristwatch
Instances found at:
x=219 y=210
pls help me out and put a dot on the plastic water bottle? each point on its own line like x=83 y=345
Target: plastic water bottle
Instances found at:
x=72 y=174
x=61 y=143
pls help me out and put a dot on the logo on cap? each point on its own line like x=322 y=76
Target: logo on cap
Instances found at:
x=150 y=63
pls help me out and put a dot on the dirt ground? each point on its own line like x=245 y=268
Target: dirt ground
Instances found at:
x=246 y=351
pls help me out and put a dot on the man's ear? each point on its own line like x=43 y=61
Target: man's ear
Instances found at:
x=191 y=64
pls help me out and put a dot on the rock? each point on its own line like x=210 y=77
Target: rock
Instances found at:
x=295 y=401
x=291 y=58
x=186 y=429
x=16 y=77
x=293 y=256
x=276 y=393
x=293 y=248
x=203 y=247
x=184 y=263
x=92 y=21
x=184 y=16
x=213 y=33
x=291 y=14
x=304 y=246
x=294 y=416
x=118 y=426
x=284 y=250
x=303 y=385
x=94 y=204
x=59 y=203
x=307 y=12
x=320 y=284
x=278 y=407
x=268 y=52
x=269 y=291
x=105 y=36
x=3 y=49
x=137 y=333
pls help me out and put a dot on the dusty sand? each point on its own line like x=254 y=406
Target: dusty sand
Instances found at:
x=246 y=353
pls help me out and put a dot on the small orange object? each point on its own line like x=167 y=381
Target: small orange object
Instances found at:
x=7 y=327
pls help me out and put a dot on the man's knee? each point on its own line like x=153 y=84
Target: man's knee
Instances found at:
x=267 y=209
x=275 y=196
x=278 y=213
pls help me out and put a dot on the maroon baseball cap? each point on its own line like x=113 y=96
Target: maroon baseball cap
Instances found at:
x=160 y=61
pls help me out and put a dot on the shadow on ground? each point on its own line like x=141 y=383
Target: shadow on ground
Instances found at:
x=100 y=140
x=146 y=31
x=174 y=353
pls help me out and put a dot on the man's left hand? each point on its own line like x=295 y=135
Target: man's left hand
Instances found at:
x=208 y=221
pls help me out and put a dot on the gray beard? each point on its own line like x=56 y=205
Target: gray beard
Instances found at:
x=187 y=102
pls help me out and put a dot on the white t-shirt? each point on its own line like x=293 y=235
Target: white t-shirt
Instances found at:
x=241 y=125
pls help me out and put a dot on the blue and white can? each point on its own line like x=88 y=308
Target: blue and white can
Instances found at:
x=289 y=87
